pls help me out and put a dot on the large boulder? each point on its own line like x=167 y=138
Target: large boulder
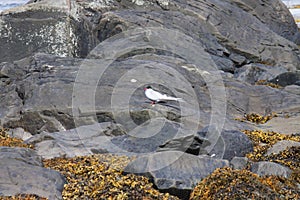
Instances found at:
x=244 y=32
x=43 y=28
x=40 y=93
x=284 y=124
x=254 y=72
x=265 y=168
x=174 y=171
x=192 y=144
x=243 y=26
x=276 y=16
x=243 y=98
x=82 y=141
x=207 y=52
x=226 y=144
x=287 y=78
x=281 y=146
x=21 y=172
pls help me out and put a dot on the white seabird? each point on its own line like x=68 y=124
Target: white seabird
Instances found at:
x=156 y=97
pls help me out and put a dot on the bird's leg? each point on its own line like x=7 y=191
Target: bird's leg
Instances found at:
x=153 y=103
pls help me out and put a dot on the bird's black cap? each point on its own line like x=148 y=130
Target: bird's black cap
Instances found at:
x=149 y=87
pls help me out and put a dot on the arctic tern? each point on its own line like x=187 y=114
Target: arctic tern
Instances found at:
x=156 y=97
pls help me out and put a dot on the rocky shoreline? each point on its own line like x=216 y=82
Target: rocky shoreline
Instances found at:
x=102 y=176
x=76 y=123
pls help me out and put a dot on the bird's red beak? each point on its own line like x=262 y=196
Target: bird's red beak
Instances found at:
x=145 y=89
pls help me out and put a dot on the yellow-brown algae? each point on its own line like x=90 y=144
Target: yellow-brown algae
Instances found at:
x=6 y=140
x=257 y=118
x=266 y=83
x=23 y=197
x=101 y=177
x=263 y=140
x=227 y=183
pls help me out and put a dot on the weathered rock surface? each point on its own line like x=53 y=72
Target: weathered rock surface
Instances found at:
x=38 y=29
x=21 y=172
x=254 y=72
x=281 y=146
x=239 y=162
x=175 y=172
x=285 y=124
x=45 y=77
x=255 y=19
x=279 y=21
x=264 y=168
x=260 y=99
x=84 y=140
x=287 y=78
x=19 y=133
x=73 y=77
x=226 y=145
x=192 y=144
x=295 y=89
x=25 y=155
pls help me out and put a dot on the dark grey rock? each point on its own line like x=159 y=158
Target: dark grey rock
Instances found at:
x=252 y=42
x=287 y=78
x=21 y=173
x=25 y=155
x=84 y=140
x=243 y=98
x=46 y=96
x=159 y=135
x=267 y=20
x=239 y=162
x=224 y=64
x=238 y=59
x=226 y=144
x=278 y=20
x=265 y=168
x=11 y=104
x=254 y=72
x=281 y=146
x=294 y=89
x=33 y=97
x=283 y=124
x=57 y=98
x=175 y=172
x=192 y=144
x=45 y=29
